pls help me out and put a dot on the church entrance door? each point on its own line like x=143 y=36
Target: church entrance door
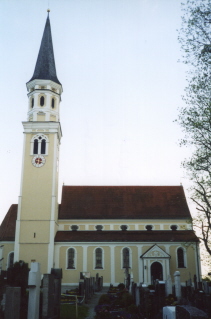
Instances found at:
x=156 y=271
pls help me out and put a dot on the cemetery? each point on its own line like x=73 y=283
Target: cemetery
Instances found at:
x=26 y=294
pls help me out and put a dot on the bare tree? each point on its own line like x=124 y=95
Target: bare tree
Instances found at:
x=195 y=117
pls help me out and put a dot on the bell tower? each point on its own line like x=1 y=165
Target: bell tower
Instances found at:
x=36 y=223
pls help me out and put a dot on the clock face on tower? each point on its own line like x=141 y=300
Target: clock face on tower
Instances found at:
x=38 y=161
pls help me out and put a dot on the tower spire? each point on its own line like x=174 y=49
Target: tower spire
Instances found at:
x=45 y=68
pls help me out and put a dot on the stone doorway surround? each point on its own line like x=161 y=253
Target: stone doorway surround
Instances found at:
x=152 y=255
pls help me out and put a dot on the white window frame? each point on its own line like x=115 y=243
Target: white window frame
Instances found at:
x=130 y=257
x=75 y=259
x=185 y=258
x=39 y=144
x=94 y=259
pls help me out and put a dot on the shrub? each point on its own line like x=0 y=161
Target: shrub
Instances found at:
x=104 y=300
x=121 y=286
x=133 y=309
x=127 y=299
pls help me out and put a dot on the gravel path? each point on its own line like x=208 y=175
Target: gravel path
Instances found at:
x=93 y=302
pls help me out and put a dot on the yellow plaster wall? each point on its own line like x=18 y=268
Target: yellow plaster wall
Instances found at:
x=34 y=232
x=145 y=248
x=79 y=258
x=90 y=258
x=92 y=227
x=36 y=252
x=71 y=275
x=191 y=264
x=119 y=272
x=52 y=118
x=37 y=184
x=166 y=227
x=41 y=117
x=135 y=262
x=106 y=271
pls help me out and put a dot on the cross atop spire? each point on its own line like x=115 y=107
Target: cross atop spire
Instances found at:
x=45 y=68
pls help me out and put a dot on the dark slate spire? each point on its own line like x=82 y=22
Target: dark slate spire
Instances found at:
x=45 y=68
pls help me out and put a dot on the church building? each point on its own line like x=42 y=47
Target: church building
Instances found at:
x=110 y=230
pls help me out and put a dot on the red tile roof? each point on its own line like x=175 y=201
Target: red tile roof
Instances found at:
x=7 y=228
x=126 y=236
x=123 y=202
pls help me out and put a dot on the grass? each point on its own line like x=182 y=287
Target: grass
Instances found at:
x=68 y=312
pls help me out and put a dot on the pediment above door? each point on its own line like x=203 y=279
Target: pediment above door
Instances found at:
x=155 y=252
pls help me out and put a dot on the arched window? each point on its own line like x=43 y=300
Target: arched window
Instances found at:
x=180 y=258
x=126 y=258
x=71 y=258
x=35 y=148
x=42 y=100
x=32 y=102
x=98 y=258
x=39 y=145
x=10 y=259
x=43 y=146
x=52 y=103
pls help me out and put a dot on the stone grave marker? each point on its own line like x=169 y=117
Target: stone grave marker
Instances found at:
x=189 y=312
x=168 y=286
x=177 y=285
x=48 y=296
x=57 y=272
x=169 y=312
x=34 y=282
x=12 y=305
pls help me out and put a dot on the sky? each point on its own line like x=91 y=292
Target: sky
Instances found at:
x=118 y=64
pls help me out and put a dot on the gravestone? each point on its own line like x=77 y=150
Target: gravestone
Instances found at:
x=81 y=288
x=169 y=312
x=34 y=282
x=137 y=293
x=48 y=296
x=12 y=305
x=86 y=286
x=131 y=282
x=205 y=286
x=57 y=272
x=177 y=285
x=3 y=301
x=101 y=282
x=92 y=286
x=169 y=286
x=195 y=282
x=97 y=282
x=160 y=294
x=189 y=312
